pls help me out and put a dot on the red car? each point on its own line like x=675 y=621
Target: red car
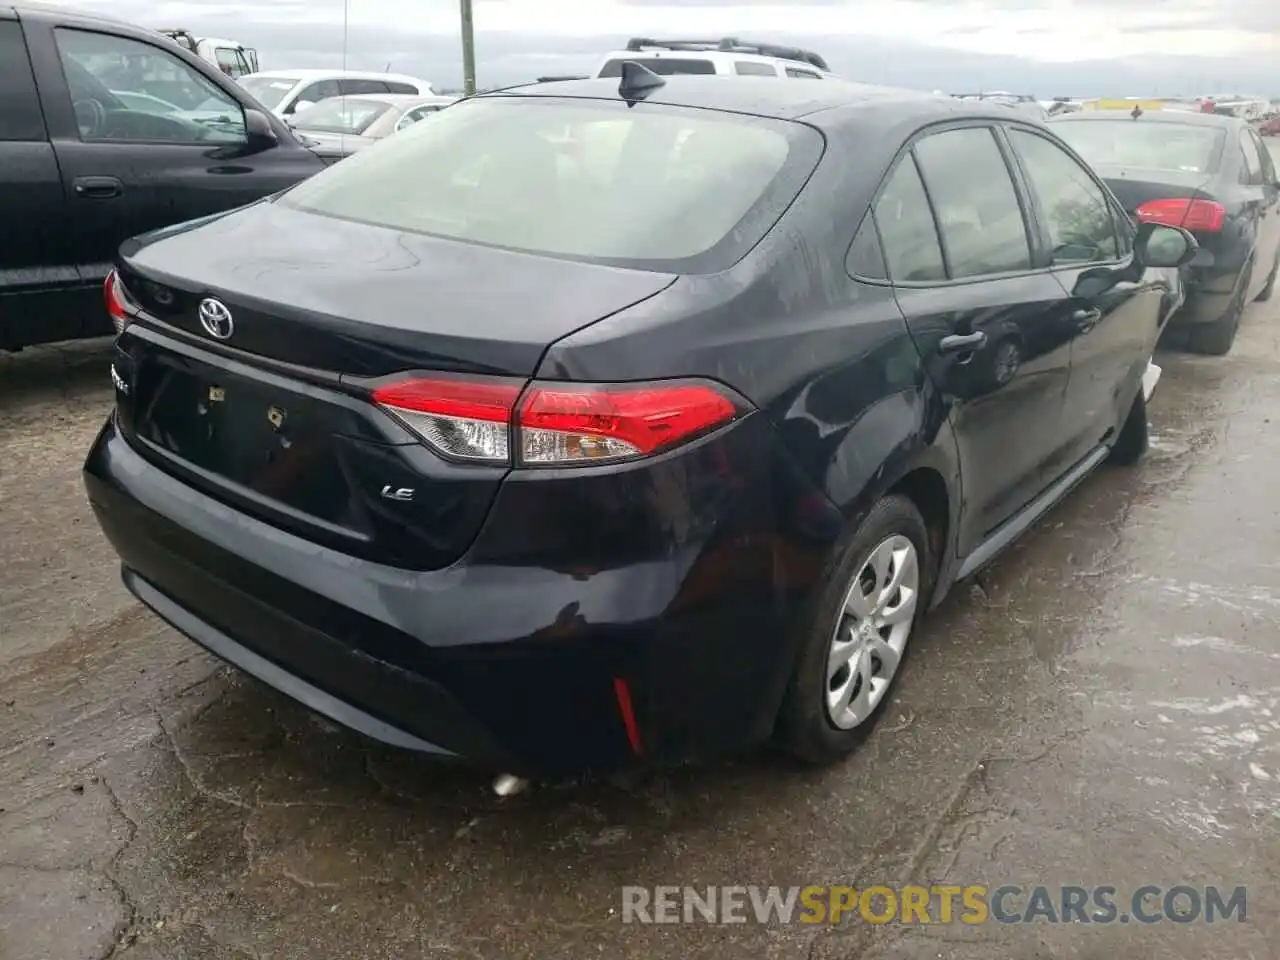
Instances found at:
x=1270 y=128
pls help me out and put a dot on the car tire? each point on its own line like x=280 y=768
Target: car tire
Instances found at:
x=891 y=541
x=1134 y=437
x=1215 y=339
x=1270 y=288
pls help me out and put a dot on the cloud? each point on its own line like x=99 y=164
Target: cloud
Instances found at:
x=1047 y=47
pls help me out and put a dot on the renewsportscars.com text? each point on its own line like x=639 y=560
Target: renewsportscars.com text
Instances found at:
x=942 y=904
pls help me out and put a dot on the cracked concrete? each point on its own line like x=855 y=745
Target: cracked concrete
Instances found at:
x=1102 y=708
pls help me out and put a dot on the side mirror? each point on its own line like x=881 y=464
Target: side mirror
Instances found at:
x=258 y=130
x=1157 y=245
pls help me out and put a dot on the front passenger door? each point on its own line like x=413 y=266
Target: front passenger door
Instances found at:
x=1115 y=318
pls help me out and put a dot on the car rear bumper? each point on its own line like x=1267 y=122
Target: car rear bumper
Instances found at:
x=507 y=659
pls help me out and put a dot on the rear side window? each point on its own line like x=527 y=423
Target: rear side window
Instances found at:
x=20 y=114
x=979 y=217
x=1075 y=209
x=353 y=88
x=693 y=190
x=907 y=230
x=753 y=68
x=663 y=66
x=802 y=74
x=394 y=86
x=866 y=259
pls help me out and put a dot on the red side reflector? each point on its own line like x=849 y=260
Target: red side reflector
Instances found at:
x=623 y=693
x=1204 y=216
x=564 y=423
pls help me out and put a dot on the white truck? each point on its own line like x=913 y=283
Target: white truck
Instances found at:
x=230 y=56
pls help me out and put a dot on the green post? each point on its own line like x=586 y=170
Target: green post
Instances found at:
x=468 y=50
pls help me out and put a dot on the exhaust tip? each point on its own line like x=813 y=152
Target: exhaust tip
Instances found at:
x=508 y=785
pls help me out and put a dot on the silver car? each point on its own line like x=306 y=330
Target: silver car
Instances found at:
x=339 y=126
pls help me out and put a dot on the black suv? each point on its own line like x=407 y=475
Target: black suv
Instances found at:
x=106 y=131
x=648 y=424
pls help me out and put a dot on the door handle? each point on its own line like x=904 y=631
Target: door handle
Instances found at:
x=1086 y=320
x=97 y=188
x=962 y=342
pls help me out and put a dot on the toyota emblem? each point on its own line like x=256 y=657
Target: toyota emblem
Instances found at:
x=216 y=319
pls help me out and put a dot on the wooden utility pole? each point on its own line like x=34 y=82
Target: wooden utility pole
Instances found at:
x=468 y=50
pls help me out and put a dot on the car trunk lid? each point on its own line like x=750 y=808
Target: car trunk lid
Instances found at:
x=276 y=417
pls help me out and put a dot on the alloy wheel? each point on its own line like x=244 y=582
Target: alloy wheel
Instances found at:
x=875 y=625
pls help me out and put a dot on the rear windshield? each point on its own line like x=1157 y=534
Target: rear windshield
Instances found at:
x=1155 y=146
x=653 y=186
x=268 y=91
x=663 y=66
x=340 y=115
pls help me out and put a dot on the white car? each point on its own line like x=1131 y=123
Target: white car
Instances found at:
x=727 y=57
x=285 y=91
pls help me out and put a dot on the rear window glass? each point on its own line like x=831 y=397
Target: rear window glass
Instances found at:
x=659 y=187
x=340 y=115
x=1154 y=146
x=663 y=66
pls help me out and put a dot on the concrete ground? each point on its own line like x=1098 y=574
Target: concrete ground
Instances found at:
x=1104 y=708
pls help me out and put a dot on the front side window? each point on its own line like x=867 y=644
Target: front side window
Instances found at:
x=314 y=93
x=231 y=61
x=802 y=74
x=123 y=89
x=355 y=87
x=394 y=86
x=1075 y=209
x=692 y=188
x=979 y=217
x=907 y=230
x=753 y=68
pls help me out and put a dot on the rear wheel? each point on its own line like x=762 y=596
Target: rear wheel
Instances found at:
x=1270 y=288
x=1215 y=339
x=1134 y=436
x=857 y=639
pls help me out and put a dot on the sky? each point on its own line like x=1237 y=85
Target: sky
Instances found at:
x=1042 y=47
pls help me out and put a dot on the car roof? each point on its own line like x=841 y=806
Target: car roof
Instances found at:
x=71 y=13
x=395 y=99
x=780 y=99
x=312 y=73
x=1185 y=117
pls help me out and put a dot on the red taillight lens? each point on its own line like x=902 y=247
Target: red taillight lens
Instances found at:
x=466 y=419
x=113 y=294
x=556 y=423
x=573 y=423
x=1205 y=216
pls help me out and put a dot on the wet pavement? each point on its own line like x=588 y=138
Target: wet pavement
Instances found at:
x=1103 y=708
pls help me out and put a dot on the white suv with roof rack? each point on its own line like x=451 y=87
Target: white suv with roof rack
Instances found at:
x=725 y=57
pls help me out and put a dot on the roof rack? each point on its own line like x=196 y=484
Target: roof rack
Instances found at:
x=733 y=45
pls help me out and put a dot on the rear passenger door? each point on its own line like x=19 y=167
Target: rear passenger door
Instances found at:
x=986 y=318
x=38 y=276
x=1115 y=319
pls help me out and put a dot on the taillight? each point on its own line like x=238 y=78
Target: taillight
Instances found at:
x=1205 y=216
x=119 y=306
x=556 y=424
x=570 y=423
x=465 y=419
